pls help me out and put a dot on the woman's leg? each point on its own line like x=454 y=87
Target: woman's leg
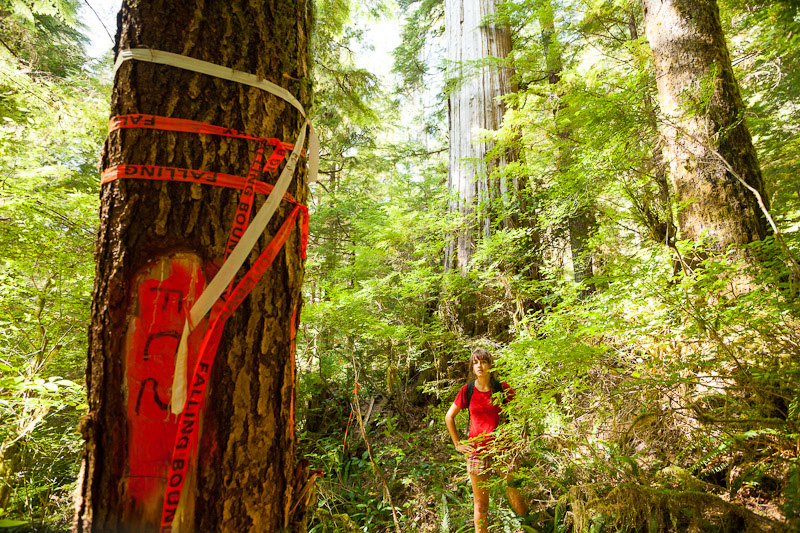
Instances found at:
x=517 y=501
x=515 y=498
x=480 y=495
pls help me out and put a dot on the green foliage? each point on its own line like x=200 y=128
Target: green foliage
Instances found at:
x=52 y=121
x=341 y=89
x=665 y=388
x=766 y=52
x=668 y=399
x=376 y=226
x=422 y=475
x=791 y=507
x=422 y=28
x=655 y=364
x=44 y=35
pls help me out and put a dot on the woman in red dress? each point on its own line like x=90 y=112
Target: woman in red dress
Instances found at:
x=481 y=448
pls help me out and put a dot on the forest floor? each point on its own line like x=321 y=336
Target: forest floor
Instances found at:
x=567 y=489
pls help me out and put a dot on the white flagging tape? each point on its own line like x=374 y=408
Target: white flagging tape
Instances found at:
x=218 y=71
x=228 y=270
x=250 y=237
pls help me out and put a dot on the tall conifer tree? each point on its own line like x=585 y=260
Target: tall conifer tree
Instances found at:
x=581 y=222
x=707 y=141
x=159 y=243
x=474 y=106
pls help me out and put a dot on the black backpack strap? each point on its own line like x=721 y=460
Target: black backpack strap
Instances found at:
x=470 y=390
x=468 y=399
x=496 y=385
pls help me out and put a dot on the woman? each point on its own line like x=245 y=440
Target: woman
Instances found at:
x=481 y=447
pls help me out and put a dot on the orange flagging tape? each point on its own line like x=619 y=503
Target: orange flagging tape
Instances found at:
x=230 y=300
x=155 y=122
x=244 y=207
x=188 y=419
x=355 y=399
x=185 y=175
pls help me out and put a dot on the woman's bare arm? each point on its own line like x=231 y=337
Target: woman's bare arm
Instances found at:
x=450 y=420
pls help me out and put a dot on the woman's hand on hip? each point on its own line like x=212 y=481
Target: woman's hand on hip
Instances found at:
x=464 y=448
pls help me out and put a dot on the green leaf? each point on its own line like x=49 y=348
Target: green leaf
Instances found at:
x=12 y=523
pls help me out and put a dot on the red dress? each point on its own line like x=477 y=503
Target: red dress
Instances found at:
x=483 y=415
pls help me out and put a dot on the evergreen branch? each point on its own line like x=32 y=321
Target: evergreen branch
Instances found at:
x=99 y=19
x=375 y=466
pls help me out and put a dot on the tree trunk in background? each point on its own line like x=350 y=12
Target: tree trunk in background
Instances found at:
x=655 y=210
x=159 y=243
x=582 y=222
x=473 y=106
x=691 y=64
x=581 y=226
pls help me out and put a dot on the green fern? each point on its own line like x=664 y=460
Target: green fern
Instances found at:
x=791 y=508
x=444 y=527
x=724 y=447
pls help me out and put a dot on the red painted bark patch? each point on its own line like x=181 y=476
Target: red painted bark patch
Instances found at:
x=164 y=292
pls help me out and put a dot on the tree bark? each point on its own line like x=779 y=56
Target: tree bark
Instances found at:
x=582 y=222
x=655 y=211
x=703 y=113
x=474 y=107
x=581 y=226
x=158 y=244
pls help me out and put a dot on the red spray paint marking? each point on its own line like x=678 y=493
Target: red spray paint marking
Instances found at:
x=146 y=475
x=165 y=290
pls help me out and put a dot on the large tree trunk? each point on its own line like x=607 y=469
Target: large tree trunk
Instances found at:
x=474 y=106
x=704 y=135
x=654 y=210
x=582 y=222
x=158 y=245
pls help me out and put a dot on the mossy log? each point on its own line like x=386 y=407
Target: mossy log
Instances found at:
x=643 y=508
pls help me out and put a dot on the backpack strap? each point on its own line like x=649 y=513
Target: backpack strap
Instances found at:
x=470 y=390
x=468 y=398
x=497 y=386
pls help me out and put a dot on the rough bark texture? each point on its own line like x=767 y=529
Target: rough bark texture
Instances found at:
x=473 y=107
x=654 y=210
x=582 y=223
x=692 y=63
x=581 y=226
x=246 y=473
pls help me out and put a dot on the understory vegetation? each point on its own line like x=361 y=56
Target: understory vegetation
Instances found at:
x=666 y=398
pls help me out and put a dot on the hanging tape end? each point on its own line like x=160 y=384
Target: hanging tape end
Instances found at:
x=179 y=377
x=313 y=155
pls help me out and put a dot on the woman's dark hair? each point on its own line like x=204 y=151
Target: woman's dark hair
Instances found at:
x=479 y=354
